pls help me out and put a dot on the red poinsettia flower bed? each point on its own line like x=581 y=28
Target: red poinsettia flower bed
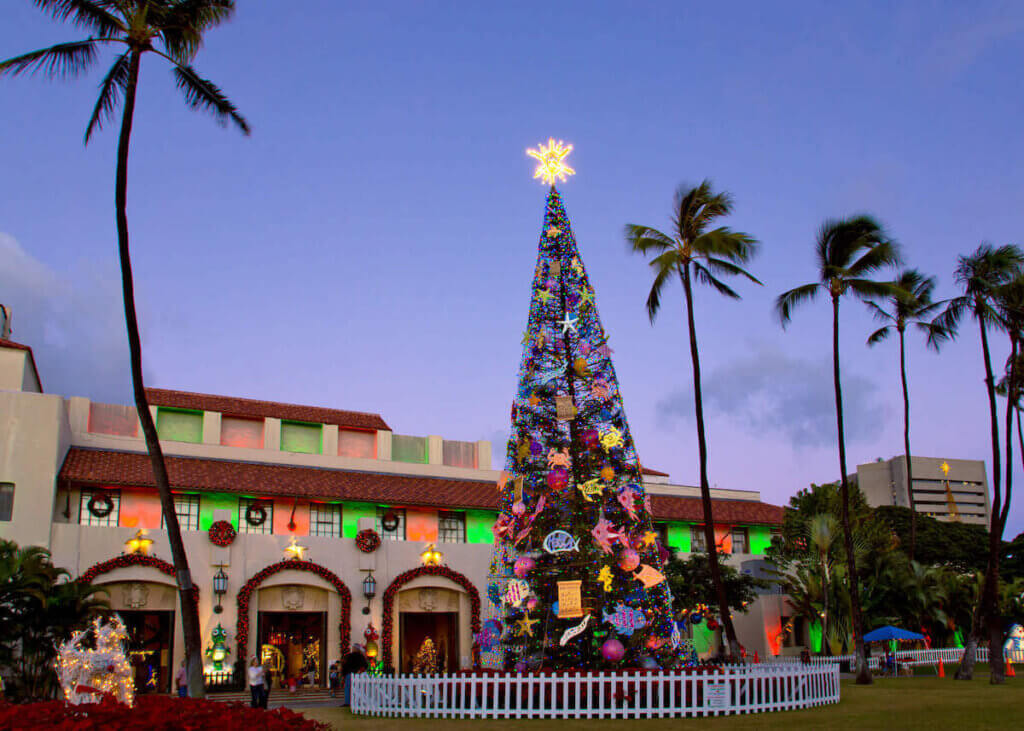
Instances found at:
x=152 y=713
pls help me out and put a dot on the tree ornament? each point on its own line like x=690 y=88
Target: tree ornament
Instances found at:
x=558 y=479
x=555 y=269
x=536 y=448
x=568 y=324
x=565 y=409
x=611 y=439
x=570 y=603
x=580 y=366
x=604 y=576
x=525 y=625
x=591 y=439
x=544 y=296
x=558 y=541
x=649 y=576
x=629 y=560
x=607 y=473
x=524 y=565
x=599 y=389
x=551 y=162
x=558 y=459
x=604 y=533
x=553 y=232
x=625 y=619
x=612 y=650
x=589 y=488
x=518 y=508
x=516 y=592
x=575 y=630
x=650 y=538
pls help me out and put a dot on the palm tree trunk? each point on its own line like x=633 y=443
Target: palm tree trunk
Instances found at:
x=186 y=593
x=705 y=490
x=906 y=447
x=863 y=673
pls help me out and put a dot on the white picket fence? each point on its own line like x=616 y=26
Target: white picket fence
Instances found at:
x=904 y=657
x=658 y=694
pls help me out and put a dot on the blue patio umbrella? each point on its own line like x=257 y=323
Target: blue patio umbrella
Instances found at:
x=883 y=634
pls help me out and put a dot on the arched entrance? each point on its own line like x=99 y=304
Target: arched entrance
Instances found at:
x=435 y=602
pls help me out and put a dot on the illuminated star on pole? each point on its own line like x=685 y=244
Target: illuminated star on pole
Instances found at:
x=551 y=161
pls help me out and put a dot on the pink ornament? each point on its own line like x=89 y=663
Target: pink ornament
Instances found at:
x=532 y=603
x=591 y=439
x=523 y=566
x=629 y=560
x=613 y=650
x=518 y=508
x=558 y=479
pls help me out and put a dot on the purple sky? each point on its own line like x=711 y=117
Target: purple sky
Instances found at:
x=371 y=245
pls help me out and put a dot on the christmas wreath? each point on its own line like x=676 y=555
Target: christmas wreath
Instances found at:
x=100 y=504
x=222 y=533
x=255 y=514
x=367 y=540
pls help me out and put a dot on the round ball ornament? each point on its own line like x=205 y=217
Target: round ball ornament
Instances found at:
x=518 y=508
x=712 y=624
x=367 y=540
x=696 y=618
x=607 y=473
x=558 y=479
x=536 y=448
x=523 y=566
x=222 y=533
x=612 y=650
x=580 y=366
x=591 y=439
x=629 y=560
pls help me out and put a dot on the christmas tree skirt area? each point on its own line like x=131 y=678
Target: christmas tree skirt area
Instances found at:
x=898 y=703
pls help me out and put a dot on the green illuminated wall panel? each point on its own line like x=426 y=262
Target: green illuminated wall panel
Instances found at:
x=211 y=502
x=350 y=515
x=679 y=537
x=760 y=539
x=175 y=425
x=478 y=526
x=299 y=437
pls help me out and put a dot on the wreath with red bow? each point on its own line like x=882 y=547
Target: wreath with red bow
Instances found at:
x=367 y=540
x=222 y=533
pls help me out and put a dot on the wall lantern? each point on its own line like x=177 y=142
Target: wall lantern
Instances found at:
x=138 y=543
x=431 y=556
x=220 y=587
x=369 y=586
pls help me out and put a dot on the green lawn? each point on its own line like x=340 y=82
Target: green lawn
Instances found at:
x=892 y=705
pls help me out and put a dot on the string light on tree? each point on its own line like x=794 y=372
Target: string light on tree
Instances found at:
x=551 y=164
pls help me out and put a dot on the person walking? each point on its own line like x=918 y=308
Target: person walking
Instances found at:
x=268 y=680
x=181 y=680
x=257 y=680
x=354 y=662
x=332 y=678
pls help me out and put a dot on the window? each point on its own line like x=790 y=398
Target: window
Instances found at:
x=408 y=449
x=662 y=530
x=739 y=541
x=120 y=421
x=398 y=532
x=353 y=443
x=325 y=520
x=6 y=500
x=255 y=516
x=175 y=425
x=451 y=527
x=105 y=507
x=697 y=544
x=299 y=437
x=458 y=454
x=186 y=507
x=236 y=432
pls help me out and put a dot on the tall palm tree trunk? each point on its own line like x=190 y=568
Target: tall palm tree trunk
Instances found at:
x=186 y=593
x=705 y=490
x=863 y=673
x=906 y=446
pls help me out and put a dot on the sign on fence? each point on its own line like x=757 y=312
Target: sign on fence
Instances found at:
x=716 y=695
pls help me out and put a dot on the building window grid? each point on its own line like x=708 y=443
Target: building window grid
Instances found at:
x=85 y=517
x=740 y=544
x=264 y=528
x=186 y=507
x=697 y=542
x=398 y=534
x=451 y=527
x=6 y=501
x=325 y=520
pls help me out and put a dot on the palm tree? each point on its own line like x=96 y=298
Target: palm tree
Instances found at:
x=911 y=305
x=172 y=30
x=981 y=276
x=695 y=252
x=848 y=251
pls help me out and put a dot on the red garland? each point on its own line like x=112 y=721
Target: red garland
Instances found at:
x=222 y=534
x=405 y=578
x=245 y=594
x=367 y=540
x=133 y=559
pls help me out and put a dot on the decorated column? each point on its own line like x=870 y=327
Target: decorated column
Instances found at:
x=577 y=571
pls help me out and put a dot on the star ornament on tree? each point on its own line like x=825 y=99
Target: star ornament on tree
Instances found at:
x=569 y=323
x=551 y=161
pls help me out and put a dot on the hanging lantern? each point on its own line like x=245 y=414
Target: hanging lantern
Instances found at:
x=369 y=586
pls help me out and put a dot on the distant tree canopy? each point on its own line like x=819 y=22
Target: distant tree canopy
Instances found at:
x=1012 y=566
x=690 y=582
x=960 y=546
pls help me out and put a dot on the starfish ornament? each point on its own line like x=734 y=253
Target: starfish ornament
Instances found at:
x=650 y=537
x=525 y=625
x=544 y=296
x=553 y=232
x=586 y=297
x=568 y=323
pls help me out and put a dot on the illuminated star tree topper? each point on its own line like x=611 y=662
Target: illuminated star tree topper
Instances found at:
x=551 y=161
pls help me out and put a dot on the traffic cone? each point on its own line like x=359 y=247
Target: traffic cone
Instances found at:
x=942 y=670
x=1009 y=669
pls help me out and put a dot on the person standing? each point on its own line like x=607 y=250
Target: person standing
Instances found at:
x=257 y=680
x=332 y=678
x=181 y=680
x=354 y=662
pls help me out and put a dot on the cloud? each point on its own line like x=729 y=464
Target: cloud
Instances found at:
x=771 y=393
x=953 y=52
x=75 y=328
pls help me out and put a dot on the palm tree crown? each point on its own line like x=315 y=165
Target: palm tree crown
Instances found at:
x=910 y=304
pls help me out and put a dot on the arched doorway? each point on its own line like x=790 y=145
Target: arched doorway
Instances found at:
x=434 y=602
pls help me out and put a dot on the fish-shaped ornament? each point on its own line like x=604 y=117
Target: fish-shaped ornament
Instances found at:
x=516 y=592
x=649 y=576
x=590 y=487
x=627 y=499
x=626 y=620
x=544 y=377
x=558 y=541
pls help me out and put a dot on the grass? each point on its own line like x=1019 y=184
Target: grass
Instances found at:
x=893 y=704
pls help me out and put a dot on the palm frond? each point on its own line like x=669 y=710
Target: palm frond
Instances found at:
x=725 y=243
x=91 y=16
x=869 y=288
x=950 y=318
x=63 y=60
x=935 y=335
x=879 y=335
x=787 y=301
x=878 y=313
x=704 y=276
x=879 y=256
x=665 y=265
x=644 y=239
x=721 y=266
x=181 y=25
x=201 y=93
x=113 y=83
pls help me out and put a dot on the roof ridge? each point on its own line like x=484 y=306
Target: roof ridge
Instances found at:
x=260 y=400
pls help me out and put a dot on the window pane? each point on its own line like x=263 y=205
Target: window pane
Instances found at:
x=459 y=454
x=88 y=517
x=6 y=500
x=408 y=449
x=120 y=421
x=357 y=444
x=739 y=540
x=451 y=527
x=255 y=521
x=325 y=520
x=180 y=426
x=697 y=543
x=186 y=507
x=235 y=432
x=304 y=438
x=398 y=533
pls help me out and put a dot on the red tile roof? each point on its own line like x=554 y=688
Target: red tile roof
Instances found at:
x=31 y=358
x=232 y=406
x=105 y=467
x=649 y=471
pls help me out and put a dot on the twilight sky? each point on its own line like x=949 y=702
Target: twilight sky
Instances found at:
x=370 y=247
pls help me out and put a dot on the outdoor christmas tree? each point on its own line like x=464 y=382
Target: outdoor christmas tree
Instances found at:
x=577 y=570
